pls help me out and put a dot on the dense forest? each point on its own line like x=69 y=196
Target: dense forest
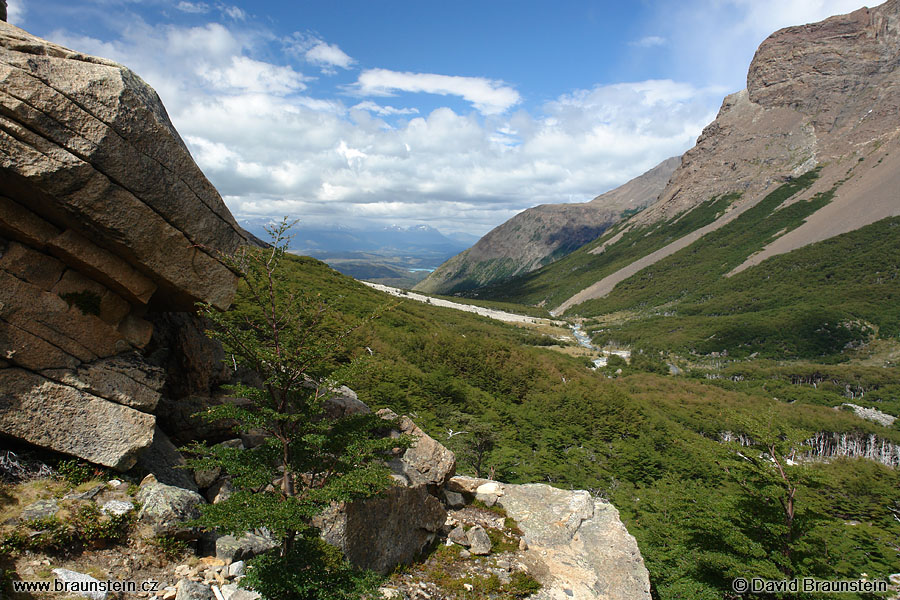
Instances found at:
x=683 y=457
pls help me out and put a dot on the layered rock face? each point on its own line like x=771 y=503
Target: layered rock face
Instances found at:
x=103 y=216
x=815 y=94
x=545 y=233
x=824 y=94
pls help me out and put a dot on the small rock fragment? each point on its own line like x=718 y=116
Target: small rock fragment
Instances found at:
x=479 y=542
x=458 y=536
x=192 y=590
x=117 y=507
x=81 y=581
x=236 y=569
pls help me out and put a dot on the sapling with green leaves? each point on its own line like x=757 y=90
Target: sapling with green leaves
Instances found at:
x=767 y=467
x=299 y=350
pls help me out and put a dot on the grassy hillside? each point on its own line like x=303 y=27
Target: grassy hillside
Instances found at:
x=814 y=302
x=555 y=283
x=648 y=441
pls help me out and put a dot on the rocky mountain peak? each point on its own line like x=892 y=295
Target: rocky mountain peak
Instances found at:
x=833 y=69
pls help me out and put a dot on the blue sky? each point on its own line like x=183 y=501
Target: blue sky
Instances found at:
x=453 y=114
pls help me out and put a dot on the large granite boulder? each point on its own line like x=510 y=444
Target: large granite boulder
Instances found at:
x=88 y=147
x=104 y=217
x=166 y=508
x=577 y=546
x=426 y=462
x=69 y=420
x=386 y=530
x=395 y=526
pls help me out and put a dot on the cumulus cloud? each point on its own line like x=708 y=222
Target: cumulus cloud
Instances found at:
x=250 y=75
x=15 y=12
x=272 y=147
x=443 y=168
x=488 y=96
x=327 y=57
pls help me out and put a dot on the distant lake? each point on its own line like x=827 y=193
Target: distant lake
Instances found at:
x=428 y=270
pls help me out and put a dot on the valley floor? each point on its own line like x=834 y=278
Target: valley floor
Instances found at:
x=491 y=313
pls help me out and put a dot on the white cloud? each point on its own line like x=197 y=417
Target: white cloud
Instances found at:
x=443 y=168
x=273 y=148
x=328 y=55
x=490 y=97
x=193 y=7
x=234 y=12
x=15 y=12
x=255 y=76
x=384 y=110
x=649 y=41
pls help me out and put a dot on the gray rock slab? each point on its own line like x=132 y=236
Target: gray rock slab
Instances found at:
x=42 y=509
x=576 y=544
x=68 y=420
x=232 y=549
x=386 y=530
x=165 y=462
x=458 y=536
x=192 y=590
x=479 y=542
x=426 y=462
x=166 y=508
x=80 y=584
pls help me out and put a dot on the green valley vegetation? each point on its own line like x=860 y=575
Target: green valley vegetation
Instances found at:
x=656 y=445
x=813 y=303
x=810 y=303
x=555 y=283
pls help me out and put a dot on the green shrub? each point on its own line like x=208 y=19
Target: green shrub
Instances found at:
x=170 y=547
x=500 y=542
x=76 y=471
x=522 y=584
x=310 y=570
x=86 y=526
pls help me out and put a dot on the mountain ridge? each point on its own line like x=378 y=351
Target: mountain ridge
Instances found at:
x=819 y=96
x=541 y=235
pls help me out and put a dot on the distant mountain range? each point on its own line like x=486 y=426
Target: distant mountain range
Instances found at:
x=393 y=255
x=541 y=235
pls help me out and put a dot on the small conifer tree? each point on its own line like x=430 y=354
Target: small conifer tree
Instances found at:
x=306 y=461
